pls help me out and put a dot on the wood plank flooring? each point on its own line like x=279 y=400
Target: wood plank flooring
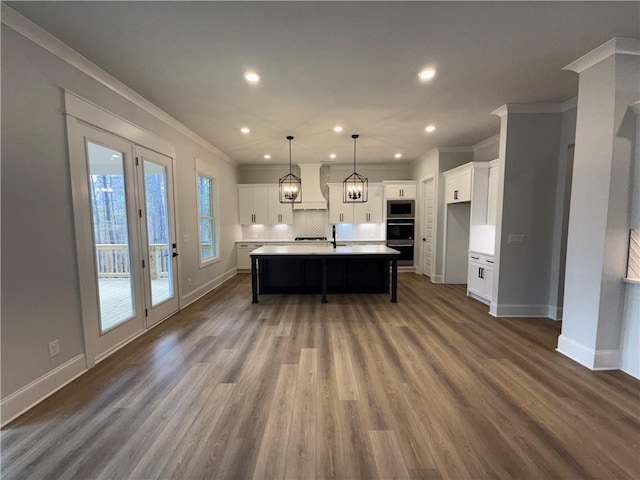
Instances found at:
x=431 y=387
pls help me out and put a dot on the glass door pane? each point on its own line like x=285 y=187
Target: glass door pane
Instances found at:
x=158 y=232
x=158 y=235
x=108 y=194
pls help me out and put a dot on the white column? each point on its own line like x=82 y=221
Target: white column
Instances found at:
x=601 y=197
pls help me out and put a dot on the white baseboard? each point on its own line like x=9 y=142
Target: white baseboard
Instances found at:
x=554 y=312
x=200 y=292
x=23 y=399
x=437 y=278
x=479 y=298
x=590 y=358
x=517 y=310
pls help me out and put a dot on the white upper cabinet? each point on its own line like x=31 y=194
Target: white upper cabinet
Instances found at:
x=372 y=210
x=279 y=212
x=339 y=212
x=253 y=205
x=457 y=184
x=395 y=191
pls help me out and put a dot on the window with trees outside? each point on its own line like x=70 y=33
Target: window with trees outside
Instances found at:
x=207 y=231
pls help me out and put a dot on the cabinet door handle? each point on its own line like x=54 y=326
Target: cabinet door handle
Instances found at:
x=455 y=194
x=475 y=258
x=480 y=272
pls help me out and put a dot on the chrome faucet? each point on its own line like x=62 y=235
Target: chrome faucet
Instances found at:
x=334 y=237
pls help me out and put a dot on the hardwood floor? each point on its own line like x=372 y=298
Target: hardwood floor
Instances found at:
x=431 y=387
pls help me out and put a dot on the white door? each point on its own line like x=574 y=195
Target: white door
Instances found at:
x=116 y=203
x=155 y=189
x=427 y=227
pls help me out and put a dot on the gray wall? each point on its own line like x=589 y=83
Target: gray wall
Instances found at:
x=530 y=163
x=487 y=152
x=561 y=213
x=40 y=294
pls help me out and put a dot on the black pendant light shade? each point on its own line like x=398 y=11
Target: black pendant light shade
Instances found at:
x=290 y=185
x=355 y=187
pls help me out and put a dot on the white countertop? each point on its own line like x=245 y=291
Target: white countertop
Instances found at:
x=323 y=250
x=291 y=240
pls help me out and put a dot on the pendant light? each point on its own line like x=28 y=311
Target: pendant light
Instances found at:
x=355 y=187
x=290 y=185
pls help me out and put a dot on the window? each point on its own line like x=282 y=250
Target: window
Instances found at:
x=207 y=230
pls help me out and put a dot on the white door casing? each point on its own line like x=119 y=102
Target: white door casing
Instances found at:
x=428 y=215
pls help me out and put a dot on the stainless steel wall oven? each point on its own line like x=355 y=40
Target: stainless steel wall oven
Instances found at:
x=400 y=236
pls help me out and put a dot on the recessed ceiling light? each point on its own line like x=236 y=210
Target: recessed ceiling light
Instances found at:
x=333 y=155
x=245 y=130
x=430 y=128
x=252 y=77
x=427 y=74
x=337 y=129
x=267 y=156
x=398 y=155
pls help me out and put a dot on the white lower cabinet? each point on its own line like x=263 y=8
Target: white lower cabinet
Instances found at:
x=480 y=279
x=244 y=249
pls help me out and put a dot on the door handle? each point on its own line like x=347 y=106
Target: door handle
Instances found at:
x=424 y=239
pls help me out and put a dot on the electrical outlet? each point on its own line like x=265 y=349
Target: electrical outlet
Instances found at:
x=54 y=348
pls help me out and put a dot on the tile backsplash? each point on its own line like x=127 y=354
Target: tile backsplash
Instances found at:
x=313 y=223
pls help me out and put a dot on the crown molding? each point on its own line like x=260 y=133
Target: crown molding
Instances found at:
x=44 y=39
x=615 y=46
x=486 y=143
x=500 y=111
x=569 y=104
x=455 y=149
x=512 y=108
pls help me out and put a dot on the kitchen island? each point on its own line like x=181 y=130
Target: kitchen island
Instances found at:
x=322 y=269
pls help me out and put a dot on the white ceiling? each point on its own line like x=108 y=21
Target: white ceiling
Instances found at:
x=328 y=63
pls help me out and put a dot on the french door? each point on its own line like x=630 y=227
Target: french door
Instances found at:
x=125 y=233
x=155 y=187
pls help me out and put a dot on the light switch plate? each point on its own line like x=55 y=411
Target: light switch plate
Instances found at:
x=516 y=239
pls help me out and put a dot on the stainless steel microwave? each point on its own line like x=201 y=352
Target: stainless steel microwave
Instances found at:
x=401 y=208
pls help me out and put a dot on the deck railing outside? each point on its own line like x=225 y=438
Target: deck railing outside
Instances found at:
x=113 y=260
